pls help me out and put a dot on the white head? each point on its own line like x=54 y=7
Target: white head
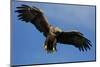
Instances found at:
x=58 y=29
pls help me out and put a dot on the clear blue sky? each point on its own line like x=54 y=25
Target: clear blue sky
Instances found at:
x=27 y=41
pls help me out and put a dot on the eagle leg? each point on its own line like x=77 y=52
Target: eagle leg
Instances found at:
x=50 y=43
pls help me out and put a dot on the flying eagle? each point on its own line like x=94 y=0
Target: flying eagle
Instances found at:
x=53 y=34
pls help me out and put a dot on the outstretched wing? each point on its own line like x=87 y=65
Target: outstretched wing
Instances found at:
x=34 y=16
x=74 y=38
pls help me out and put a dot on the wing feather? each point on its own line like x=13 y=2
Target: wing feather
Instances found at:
x=34 y=16
x=74 y=38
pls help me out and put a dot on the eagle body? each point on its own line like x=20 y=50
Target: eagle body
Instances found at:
x=52 y=34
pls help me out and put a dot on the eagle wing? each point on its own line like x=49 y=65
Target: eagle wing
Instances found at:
x=74 y=38
x=34 y=16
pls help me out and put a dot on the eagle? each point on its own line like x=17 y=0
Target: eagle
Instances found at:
x=53 y=35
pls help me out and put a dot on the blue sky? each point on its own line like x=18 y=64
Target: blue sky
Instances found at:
x=27 y=41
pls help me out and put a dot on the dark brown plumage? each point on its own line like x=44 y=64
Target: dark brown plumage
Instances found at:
x=53 y=35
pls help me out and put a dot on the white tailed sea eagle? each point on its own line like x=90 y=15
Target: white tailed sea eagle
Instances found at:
x=53 y=35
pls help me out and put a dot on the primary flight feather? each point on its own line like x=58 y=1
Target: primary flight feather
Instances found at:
x=53 y=35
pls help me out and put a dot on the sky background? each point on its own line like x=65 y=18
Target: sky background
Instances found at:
x=27 y=41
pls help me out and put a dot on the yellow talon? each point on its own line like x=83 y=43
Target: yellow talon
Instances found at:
x=45 y=47
x=53 y=49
